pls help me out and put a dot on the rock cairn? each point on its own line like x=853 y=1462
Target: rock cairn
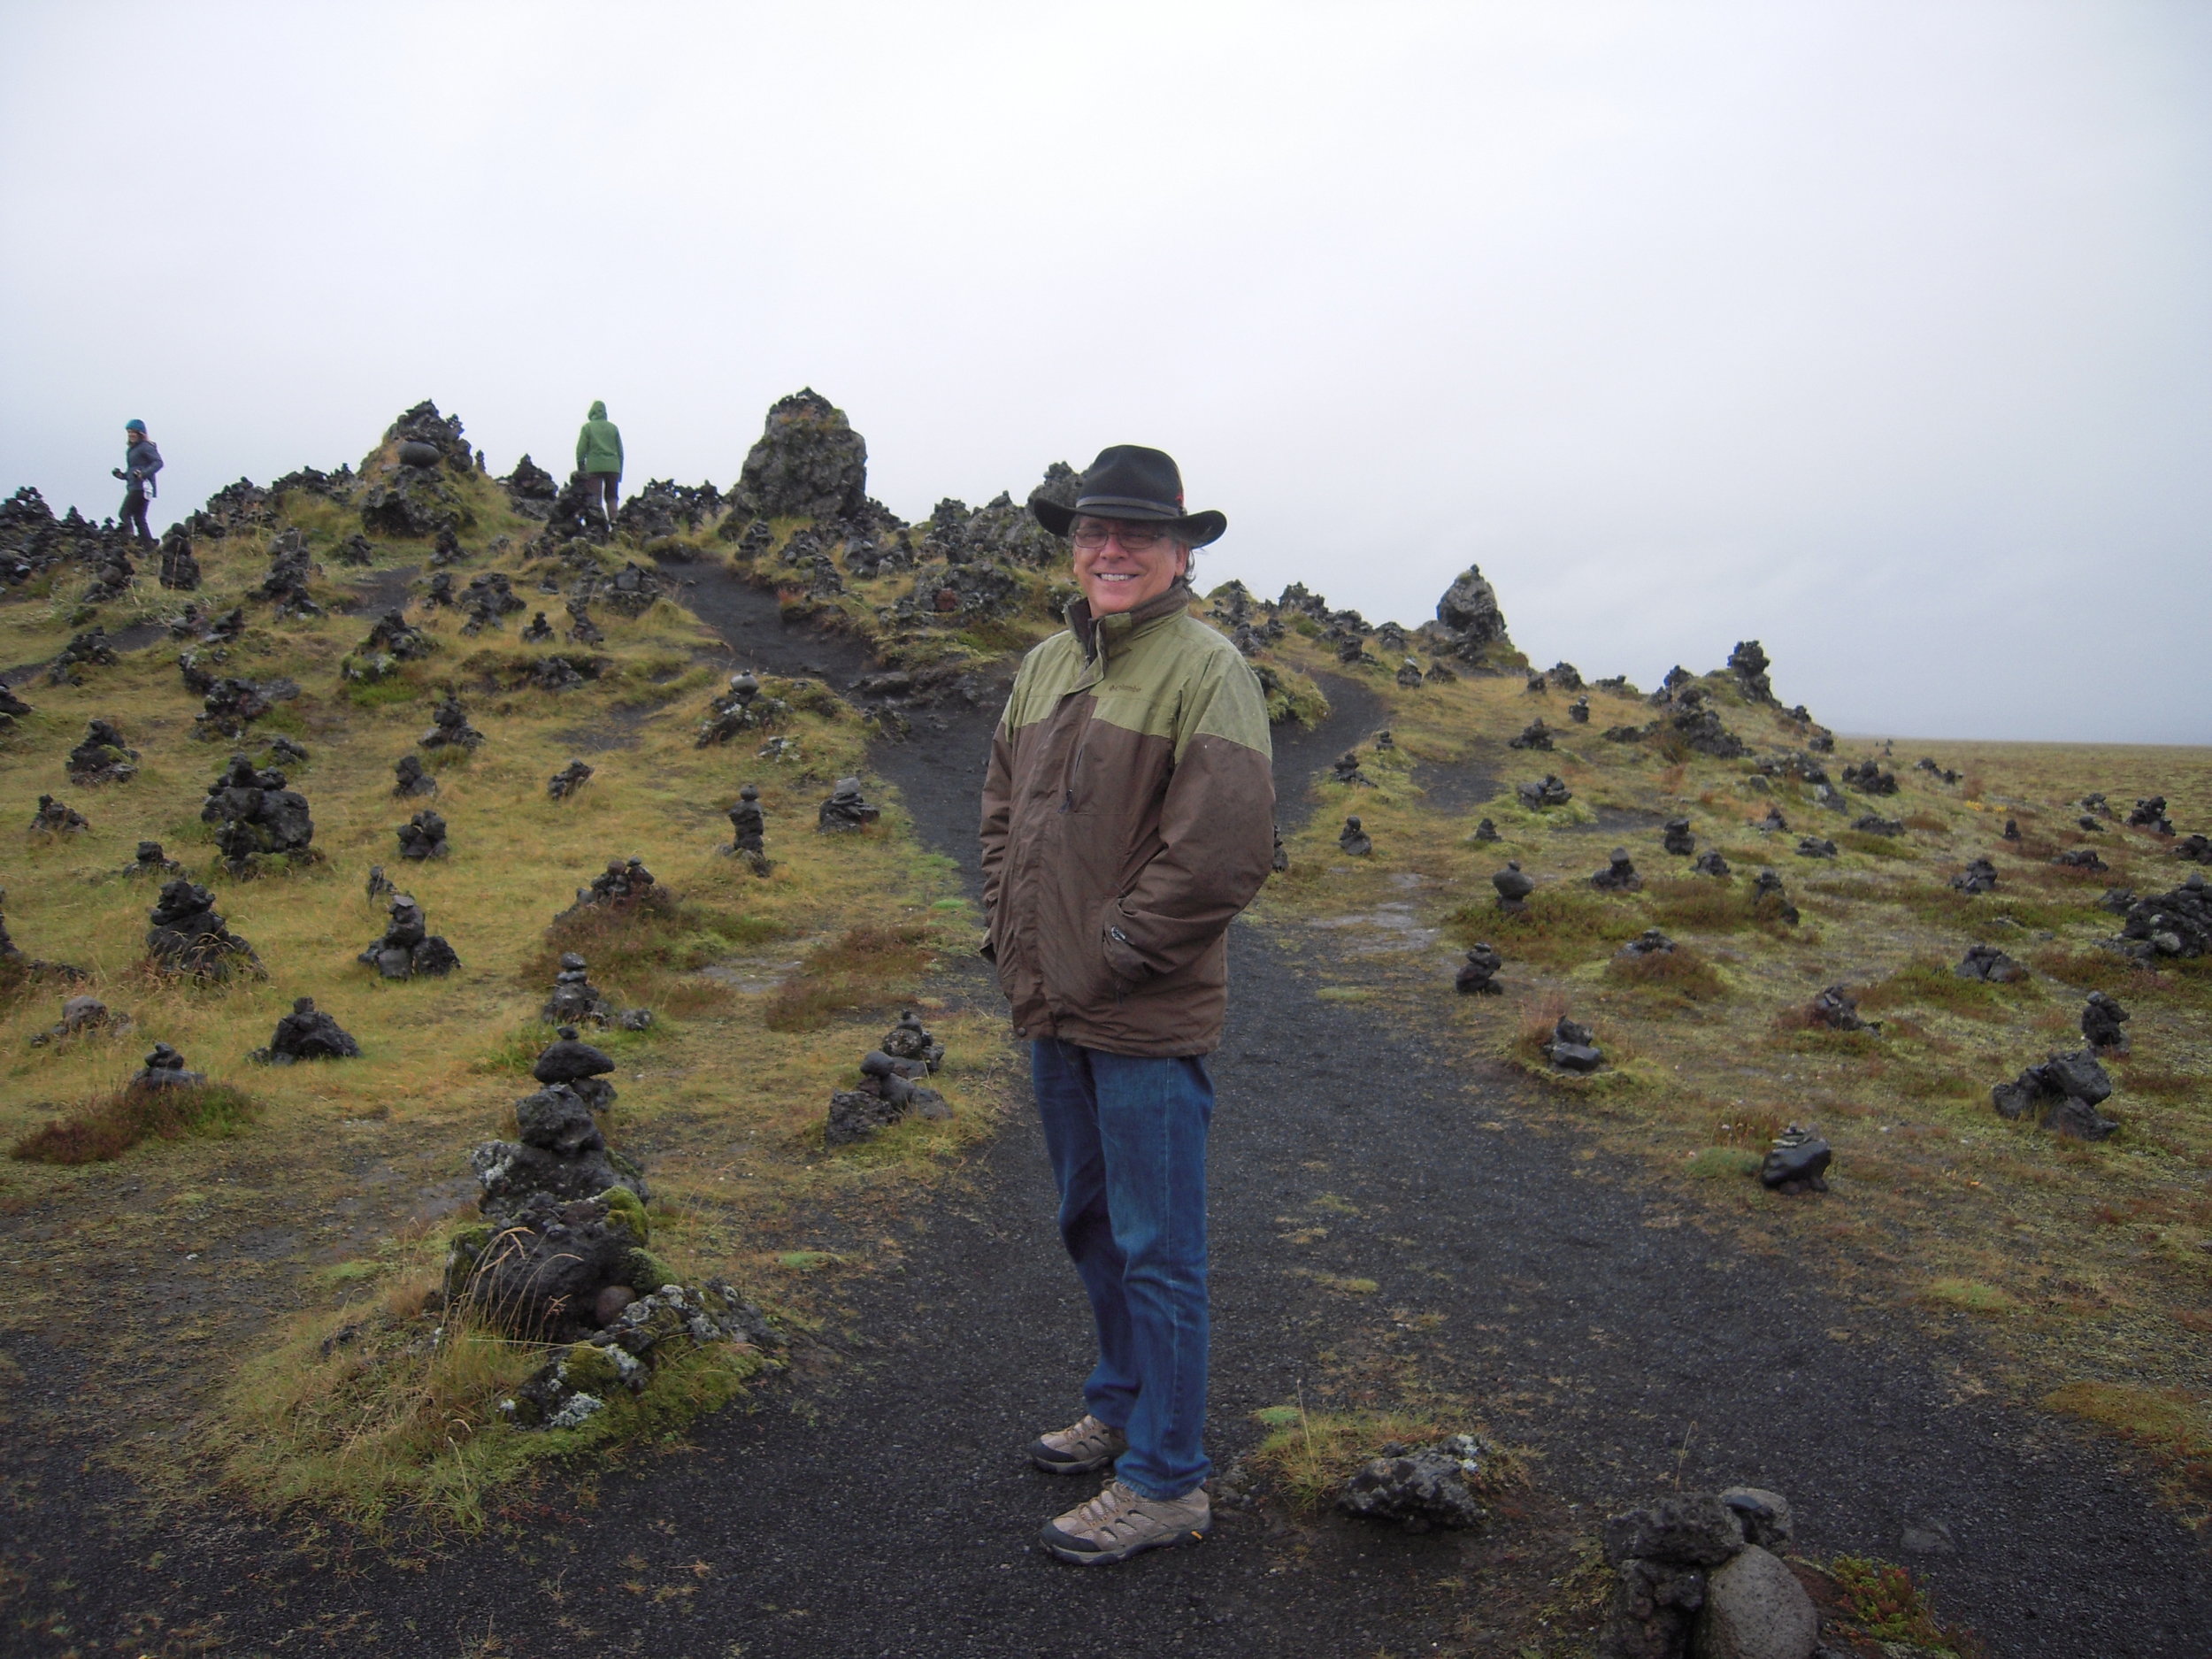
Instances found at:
x=92 y=647
x=165 y=1068
x=1478 y=976
x=488 y=599
x=1838 y=1008
x=1978 y=877
x=2176 y=924
x=1816 y=847
x=2100 y=1023
x=1796 y=1163
x=1469 y=622
x=575 y=1001
x=2062 y=1093
x=179 y=569
x=56 y=818
x=1650 y=942
x=423 y=836
x=378 y=884
x=568 y=780
x=393 y=639
x=1990 y=966
x=1767 y=885
x=560 y=1155
x=1513 y=886
x=748 y=830
x=291 y=567
x=1619 y=874
x=1874 y=824
x=153 y=861
x=624 y=884
x=886 y=1094
x=1578 y=712
x=187 y=936
x=450 y=726
x=1535 y=735
x=910 y=1039
x=408 y=949
x=1486 y=831
x=1418 y=1488
x=307 y=1033
x=1571 y=1047
x=739 y=708
x=1675 y=838
x=102 y=758
x=581 y=629
x=1354 y=840
x=411 y=778
x=1548 y=791
x=1710 y=862
x=540 y=631
x=571 y=1061
x=1698 y=1573
x=845 y=810
x=1347 y=770
x=255 y=814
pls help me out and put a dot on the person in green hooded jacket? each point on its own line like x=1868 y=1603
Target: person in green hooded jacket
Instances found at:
x=599 y=458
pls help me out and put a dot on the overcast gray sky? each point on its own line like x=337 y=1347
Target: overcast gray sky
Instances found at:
x=1880 y=332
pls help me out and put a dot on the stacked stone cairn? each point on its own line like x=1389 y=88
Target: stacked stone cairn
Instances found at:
x=1838 y=1008
x=1535 y=734
x=1978 y=877
x=888 y=1090
x=423 y=836
x=450 y=726
x=1478 y=976
x=1796 y=1163
x=845 y=810
x=307 y=1033
x=256 y=816
x=2063 y=1093
x=571 y=1061
x=1768 y=885
x=2100 y=1023
x=1619 y=874
x=1486 y=831
x=102 y=758
x=187 y=936
x=1698 y=1574
x=1571 y=1047
x=1710 y=862
x=153 y=861
x=164 y=1068
x=1990 y=966
x=411 y=778
x=1348 y=771
x=575 y=1001
x=1513 y=886
x=1677 y=838
x=1549 y=791
x=624 y=884
x=568 y=780
x=408 y=949
x=1354 y=840
x=2176 y=924
x=748 y=830
x=540 y=631
x=56 y=817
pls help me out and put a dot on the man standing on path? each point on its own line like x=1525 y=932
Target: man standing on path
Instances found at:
x=599 y=458
x=141 y=459
x=1128 y=816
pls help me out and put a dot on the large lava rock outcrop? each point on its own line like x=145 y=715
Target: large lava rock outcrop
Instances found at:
x=808 y=463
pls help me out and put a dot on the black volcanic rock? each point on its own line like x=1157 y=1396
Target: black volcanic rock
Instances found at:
x=808 y=462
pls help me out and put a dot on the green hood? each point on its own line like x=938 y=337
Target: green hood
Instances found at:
x=598 y=411
x=599 y=445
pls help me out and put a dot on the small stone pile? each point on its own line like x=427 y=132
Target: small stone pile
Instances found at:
x=1346 y=768
x=256 y=816
x=1619 y=874
x=1710 y=862
x=1873 y=824
x=423 y=836
x=102 y=758
x=1699 y=724
x=748 y=830
x=1749 y=664
x=1990 y=966
x=91 y=646
x=1978 y=877
x=1352 y=839
x=152 y=861
x=1485 y=831
x=187 y=936
x=910 y=1039
x=179 y=569
x=560 y=1154
x=2176 y=924
x=845 y=810
x=488 y=597
x=1535 y=734
x=575 y=1001
x=581 y=629
x=540 y=631
x=1419 y=1488
x=56 y=817
x=2066 y=1091
x=165 y=1068
x=393 y=640
x=1816 y=847
x=1698 y=1574
x=411 y=778
x=2195 y=849
x=306 y=1033
x=576 y=1064
x=1767 y=884
x=1867 y=778
x=1578 y=712
x=1796 y=1163
x=450 y=726
x=568 y=780
x=1675 y=837
x=1650 y=942
x=2081 y=858
x=1773 y=823
x=1478 y=976
x=2151 y=815
x=289 y=570
x=886 y=1093
x=1513 y=887
x=408 y=949
x=2100 y=1023
x=1836 y=1008
x=739 y=708
x=1468 y=619
x=1550 y=791
x=623 y=884
x=1571 y=1047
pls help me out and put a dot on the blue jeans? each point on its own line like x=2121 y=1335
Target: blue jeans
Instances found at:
x=1127 y=1139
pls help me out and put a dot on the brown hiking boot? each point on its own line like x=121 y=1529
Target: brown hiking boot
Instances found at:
x=1121 y=1522
x=1079 y=1450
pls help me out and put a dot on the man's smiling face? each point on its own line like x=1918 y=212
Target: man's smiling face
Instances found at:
x=1116 y=577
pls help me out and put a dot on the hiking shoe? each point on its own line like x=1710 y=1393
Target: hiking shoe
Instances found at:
x=1080 y=1448
x=1121 y=1522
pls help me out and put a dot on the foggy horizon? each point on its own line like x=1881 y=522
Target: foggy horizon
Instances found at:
x=1877 y=333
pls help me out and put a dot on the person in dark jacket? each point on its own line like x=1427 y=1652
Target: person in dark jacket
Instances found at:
x=599 y=458
x=1128 y=815
x=141 y=461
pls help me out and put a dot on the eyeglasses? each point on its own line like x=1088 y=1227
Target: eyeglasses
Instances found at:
x=1134 y=538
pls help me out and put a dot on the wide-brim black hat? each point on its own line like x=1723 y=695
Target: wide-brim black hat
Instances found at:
x=1130 y=481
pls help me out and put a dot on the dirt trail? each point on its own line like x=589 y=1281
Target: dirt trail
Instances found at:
x=886 y=1508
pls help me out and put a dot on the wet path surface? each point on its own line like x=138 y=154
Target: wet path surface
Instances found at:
x=886 y=1507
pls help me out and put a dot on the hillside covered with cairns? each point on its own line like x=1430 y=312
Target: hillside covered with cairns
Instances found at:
x=502 y=1099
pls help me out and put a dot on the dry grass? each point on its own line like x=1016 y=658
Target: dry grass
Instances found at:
x=110 y=1125
x=868 y=966
x=1680 y=973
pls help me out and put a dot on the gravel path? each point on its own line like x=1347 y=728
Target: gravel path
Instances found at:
x=884 y=1507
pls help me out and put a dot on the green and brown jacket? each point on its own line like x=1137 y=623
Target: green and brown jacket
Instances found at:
x=1127 y=817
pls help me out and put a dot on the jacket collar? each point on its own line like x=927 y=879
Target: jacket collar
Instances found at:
x=1096 y=634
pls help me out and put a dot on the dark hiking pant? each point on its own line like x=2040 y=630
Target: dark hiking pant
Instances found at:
x=134 y=515
x=599 y=490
